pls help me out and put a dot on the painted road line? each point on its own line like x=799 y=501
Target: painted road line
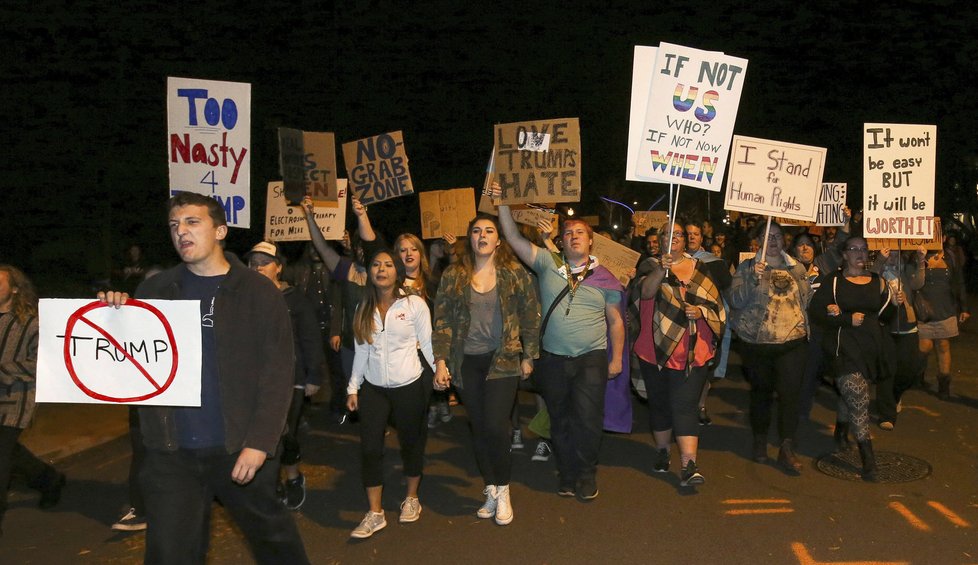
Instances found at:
x=754 y=502
x=924 y=409
x=805 y=558
x=947 y=513
x=910 y=517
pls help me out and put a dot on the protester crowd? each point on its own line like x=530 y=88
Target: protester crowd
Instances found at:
x=395 y=334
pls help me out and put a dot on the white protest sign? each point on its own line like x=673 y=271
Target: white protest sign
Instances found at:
x=898 y=180
x=831 y=204
x=689 y=117
x=774 y=178
x=209 y=143
x=146 y=352
x=288 y=223
x=642 y=65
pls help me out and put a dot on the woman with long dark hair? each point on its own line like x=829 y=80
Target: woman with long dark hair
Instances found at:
x=487 y=333
x=389 y=327
x=850 y=305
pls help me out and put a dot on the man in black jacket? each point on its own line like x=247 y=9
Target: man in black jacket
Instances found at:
x=219 y=449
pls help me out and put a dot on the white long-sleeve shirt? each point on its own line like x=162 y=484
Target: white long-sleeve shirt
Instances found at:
x=391 y=361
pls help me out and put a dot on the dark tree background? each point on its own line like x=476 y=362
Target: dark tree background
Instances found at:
x=84 y=168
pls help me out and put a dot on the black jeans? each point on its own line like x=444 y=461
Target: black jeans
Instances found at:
x=573 y=388
x=674 y=398
x=179 y=488
x=136 y=463
x=776 y=368
x=908 y=364
x=17 y=459
x=408 y=405
x=291 y=452
x=489 y=404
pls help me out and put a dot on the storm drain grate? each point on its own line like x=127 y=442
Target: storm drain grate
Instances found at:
x=893 y=467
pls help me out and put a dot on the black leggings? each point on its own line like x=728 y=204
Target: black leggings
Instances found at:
x=291 y=452
x=408 y=405
x=674 y=398
x=776 y=368
x=489 y=403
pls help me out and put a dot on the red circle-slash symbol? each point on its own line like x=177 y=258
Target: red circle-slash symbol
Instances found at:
x=79 y=316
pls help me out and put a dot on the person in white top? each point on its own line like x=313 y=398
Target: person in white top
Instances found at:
x=390 y=328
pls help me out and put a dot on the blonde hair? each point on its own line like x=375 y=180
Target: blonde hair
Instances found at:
x=24 y=300
x=424 y=270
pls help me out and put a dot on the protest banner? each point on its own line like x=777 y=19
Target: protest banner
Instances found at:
x=284 y=222
x=644 y=221
x=745 y=256
x=446 y=211
x=688 y=117
x=538 y=161
x=209 y=143
x=145 y=352
x=615 y=257
x=935 y=243
x=378 y=168
x=774 y=178
x=643 y=61
x=898 y=180
x=523 y=213
x=307 y=161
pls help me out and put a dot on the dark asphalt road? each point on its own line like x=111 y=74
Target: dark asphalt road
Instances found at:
x=745 y=513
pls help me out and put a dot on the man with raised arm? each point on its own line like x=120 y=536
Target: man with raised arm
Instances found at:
x=226 y=447
x=583 y=335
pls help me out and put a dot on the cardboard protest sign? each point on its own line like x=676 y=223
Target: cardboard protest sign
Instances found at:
x=745 y=256
x=307 y=161
x=615 y=257
x=774 y=178
x=646 y=220
x=378 y=168
x=689 y=115
x=898 y=180
x=146 y=352
x=209 y=143
x=446 y=211
x=284 y=222
x=522 y=213
x=538 y=161
x=935 y=243
x=593 y=221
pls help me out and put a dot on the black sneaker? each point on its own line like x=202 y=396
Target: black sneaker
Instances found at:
x=566 y=488
x=661 y=463
x=691 y=475
x=705 y=419
x=587 y=488
x=295 y=492
x=51 y=491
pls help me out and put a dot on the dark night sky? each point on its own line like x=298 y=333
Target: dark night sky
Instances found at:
x=84 y=111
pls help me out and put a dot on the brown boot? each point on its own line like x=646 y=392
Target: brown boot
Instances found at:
x=787 y=459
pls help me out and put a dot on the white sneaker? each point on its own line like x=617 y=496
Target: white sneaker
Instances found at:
x=504 y=508
x=542 y=452
x=372 y=523
x=410 y=510
x=488 y=509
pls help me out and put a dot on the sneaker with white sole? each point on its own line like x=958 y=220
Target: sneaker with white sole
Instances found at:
x=488 y=509
x=691 y=475
x=444 y=412
x=517 y=439
x=131 y=522
x=542 y=452
x=504 y=508
x=410 y=510
x=661 y=463
x=432 y=418
x=371 y=524
x=295 y=492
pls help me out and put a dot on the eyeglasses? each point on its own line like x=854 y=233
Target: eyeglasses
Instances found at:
x=858 y=249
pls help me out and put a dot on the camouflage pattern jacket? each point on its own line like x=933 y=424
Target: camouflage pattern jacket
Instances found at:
x=520 y=306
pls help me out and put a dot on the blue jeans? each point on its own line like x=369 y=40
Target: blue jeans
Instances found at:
x=573 y=388
x=179 y=488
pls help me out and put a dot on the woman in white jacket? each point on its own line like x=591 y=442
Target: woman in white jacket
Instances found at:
x=390 y=328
